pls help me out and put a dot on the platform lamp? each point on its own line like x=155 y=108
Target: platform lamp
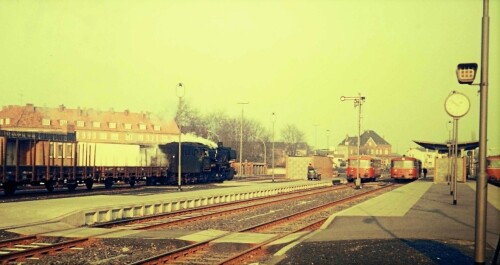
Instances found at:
x=358 y=101
x=180 y=91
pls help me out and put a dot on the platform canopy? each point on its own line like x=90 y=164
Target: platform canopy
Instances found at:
x=444 y=148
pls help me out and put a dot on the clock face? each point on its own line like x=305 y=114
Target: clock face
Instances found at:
x=457 y=105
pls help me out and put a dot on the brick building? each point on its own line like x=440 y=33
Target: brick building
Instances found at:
x=107 y=138
x=371 y=144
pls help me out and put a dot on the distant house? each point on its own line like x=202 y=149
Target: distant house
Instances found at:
x=371 y=144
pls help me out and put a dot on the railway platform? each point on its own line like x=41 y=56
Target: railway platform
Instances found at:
x=415 y=224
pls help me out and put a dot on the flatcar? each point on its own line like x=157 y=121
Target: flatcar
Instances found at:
x=493 y=169
x=369 y=168
x=200 y=163
x=405 y=168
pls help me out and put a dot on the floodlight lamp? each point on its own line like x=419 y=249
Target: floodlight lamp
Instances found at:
x=466 y=73
x=342 y=98
x=181 y=90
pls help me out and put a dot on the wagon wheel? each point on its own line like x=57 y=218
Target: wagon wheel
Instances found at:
x=49 y=185
x=89 y=183
x=131 y=182
x=108 y=183
x=9 y=187
x=72 y=185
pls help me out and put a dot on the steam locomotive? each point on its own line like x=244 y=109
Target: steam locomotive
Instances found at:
x=200 y=163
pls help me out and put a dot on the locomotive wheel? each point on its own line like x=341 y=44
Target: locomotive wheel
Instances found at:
x=89 y=183
x=9 y=187
x=108 y=183
x=49 y=185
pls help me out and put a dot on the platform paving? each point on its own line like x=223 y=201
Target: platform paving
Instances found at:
x=413 y=217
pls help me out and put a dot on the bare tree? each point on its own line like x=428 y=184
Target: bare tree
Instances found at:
x=292 y=137
x=190 y=119
x=219 y=127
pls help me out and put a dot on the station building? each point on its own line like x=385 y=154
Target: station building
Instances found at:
x=41 y=135
x=371 y=144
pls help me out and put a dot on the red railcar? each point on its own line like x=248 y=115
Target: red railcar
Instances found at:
x=369 y=168
x=405 y=168
x=493 y=169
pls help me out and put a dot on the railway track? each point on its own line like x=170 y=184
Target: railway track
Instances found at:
x=34 y=247
x=203 y=252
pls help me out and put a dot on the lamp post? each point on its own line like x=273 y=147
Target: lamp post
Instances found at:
x=265 y=151
x=315 y=137
x=180 y=91
x=273 y=119
x=327 y=141
x=466 y=74
x=358 y=101
x=241 y=137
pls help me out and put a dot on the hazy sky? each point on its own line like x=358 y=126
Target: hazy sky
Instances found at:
x=294 y=58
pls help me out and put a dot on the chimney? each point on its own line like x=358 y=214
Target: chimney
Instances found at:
x=127 y=112
x=62 y=107
x=30 y=106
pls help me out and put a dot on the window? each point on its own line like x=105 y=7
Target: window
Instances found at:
x=51 y=150
x=114 y=136
x=46 y=122
x=112 y=125
x=69 y=150
x=80 y=124
x=96 y=124
x=60 y=150
x=128 y=126
x=103 y=136
x=128 y=137
x=7 y=121
x=156 y=127
x=142 y=126
x=63 y=122
x=1 y=121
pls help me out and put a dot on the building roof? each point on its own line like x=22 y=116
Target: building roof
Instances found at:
x=444 y=148
x=365 y=137
x=31 y=117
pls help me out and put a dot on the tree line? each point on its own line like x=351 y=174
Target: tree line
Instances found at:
x=220 y=127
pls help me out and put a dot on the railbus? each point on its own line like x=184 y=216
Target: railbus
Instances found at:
x=405 y=168
x=493 y=169
x=370 y=168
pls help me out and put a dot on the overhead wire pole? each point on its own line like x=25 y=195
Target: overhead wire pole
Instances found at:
x=315 y=137
x=358 y=101
x=273 y=120
x=241 y=137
